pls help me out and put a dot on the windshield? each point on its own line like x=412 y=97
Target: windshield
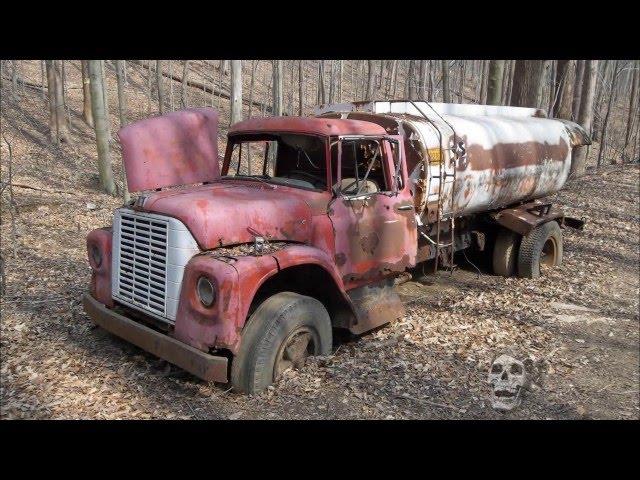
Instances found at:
x=291 y=159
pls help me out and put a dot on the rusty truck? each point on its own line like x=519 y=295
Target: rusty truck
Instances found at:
x=238 y=268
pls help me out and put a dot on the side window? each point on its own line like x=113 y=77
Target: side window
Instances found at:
x=362 y=167
x=397 y=168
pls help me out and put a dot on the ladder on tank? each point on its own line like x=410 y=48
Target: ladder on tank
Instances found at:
x=442 y=178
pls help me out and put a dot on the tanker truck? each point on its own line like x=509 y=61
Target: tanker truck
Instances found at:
x=239 y=268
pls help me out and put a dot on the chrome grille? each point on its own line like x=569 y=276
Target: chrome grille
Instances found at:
x=142 y=276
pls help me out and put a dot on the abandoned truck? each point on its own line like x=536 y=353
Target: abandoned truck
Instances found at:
x=240 y=272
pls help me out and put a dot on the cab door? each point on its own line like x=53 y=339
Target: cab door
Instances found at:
x=372 y=211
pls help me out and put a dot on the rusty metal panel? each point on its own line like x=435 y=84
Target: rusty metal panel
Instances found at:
x=524 y=218
x=233 y=212
x=178 y=148
x=375 y=305
x=317 y=126
x=200 y=364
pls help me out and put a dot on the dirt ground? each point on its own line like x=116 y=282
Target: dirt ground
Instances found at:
x=577 y=327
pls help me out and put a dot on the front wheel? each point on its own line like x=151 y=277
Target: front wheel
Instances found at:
x=283 y=331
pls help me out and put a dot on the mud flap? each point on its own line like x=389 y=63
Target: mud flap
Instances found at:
x=374 y=305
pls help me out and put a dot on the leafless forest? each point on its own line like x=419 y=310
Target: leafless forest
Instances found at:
x=61 y=176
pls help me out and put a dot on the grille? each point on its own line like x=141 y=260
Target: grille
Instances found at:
x=142 y=276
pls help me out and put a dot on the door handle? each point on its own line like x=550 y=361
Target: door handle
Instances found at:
x=405 y=207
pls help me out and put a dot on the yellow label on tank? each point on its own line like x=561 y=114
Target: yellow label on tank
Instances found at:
x=435 y=155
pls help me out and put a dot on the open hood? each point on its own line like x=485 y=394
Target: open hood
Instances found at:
x=178 y=148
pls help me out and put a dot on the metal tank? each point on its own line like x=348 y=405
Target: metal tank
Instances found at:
x=466 y=158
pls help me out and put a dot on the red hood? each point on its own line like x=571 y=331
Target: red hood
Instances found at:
x=222 y=214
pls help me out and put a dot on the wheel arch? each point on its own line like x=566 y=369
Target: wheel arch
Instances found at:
x=310 y=279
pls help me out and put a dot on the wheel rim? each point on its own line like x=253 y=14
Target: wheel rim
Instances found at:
x=549 y=254
x=294 y=351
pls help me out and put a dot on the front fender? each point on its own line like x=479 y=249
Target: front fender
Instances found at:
x=237 y=279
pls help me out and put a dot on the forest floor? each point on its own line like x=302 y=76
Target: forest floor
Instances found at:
x=577 y=327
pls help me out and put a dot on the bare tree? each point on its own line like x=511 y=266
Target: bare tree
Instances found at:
x=577 y=90
x=635 y=86
x=446 y=97
x=605 y=122
x=87 y=114
x=527 y=83
x=185 y=80
x=585 y=118
x=494 y=83
x=564 y=102
x=59 y=128
x=236 y=91
x=370 y=79
x=320 y=99
x=160 y=84
x=277 y=85
x=101 y=126
x=254 y=65
x=122 y=96
x=300 y=87
x=484 y=80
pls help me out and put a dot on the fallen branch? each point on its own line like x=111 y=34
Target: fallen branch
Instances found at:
x=20 y=185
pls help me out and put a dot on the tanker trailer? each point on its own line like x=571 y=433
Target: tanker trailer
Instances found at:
x=481 y=172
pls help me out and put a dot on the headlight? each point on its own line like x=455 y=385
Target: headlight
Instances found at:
x=96 y=255
x=206 y=293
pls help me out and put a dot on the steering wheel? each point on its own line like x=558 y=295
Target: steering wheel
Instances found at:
x=314 y=179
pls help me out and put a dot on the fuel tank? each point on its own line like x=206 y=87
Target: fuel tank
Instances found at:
x=465 y=158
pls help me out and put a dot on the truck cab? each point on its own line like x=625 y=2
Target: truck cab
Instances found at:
x=241 y=272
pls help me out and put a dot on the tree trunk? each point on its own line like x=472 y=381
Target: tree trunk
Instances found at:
x=300 y=87
x=185 y=81
x=236 y=91
x=565 y=73
x=43 y=75
x=122 y=96
x=320 y=97
x=160 y=84
x=605 y=122
x=553 y=86
x=87 y=114
x=527 y=83
x=277 y=85
x=51 y=89
x=340 y=66
x=446 y=97
x=504 y=100
x=577 y=90
x=101 y=126
x=578 y=165
x=494 y=83
x=58 y=119
x=394 y=77
x=370 y=79
x=254 y=65
x=14 y=78
x=635 y=86
x=484 y=81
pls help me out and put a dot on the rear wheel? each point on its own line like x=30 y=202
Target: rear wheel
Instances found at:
x=505 y=253
x=540 y=249
x=281 y=334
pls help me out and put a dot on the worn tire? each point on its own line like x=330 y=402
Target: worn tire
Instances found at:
x=542 y=244
x=505 y=253
x=266 y=331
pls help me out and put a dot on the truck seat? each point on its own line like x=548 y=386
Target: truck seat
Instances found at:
x=349 y=186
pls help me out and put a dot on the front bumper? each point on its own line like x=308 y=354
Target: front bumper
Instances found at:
x=201 y=364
